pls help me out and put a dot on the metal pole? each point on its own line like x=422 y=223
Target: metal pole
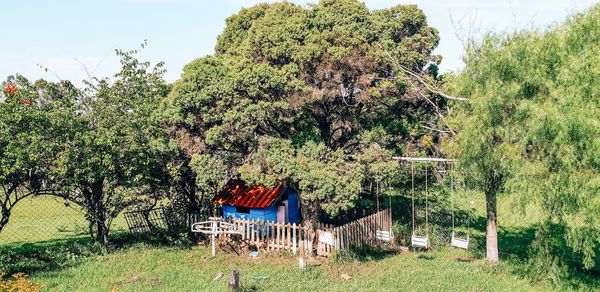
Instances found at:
x=412 y=168
x=426 y=201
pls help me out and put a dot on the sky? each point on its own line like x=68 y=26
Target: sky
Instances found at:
x=70 y=37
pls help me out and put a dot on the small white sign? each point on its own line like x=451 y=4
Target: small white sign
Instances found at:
x=326 y=237
x=383 y=235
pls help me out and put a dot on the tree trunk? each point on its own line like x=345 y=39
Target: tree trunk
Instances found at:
x=101 y=233
x=6 y=205
x=310 y=218
x=97 y=213
x=4 y=219
x=491 y=234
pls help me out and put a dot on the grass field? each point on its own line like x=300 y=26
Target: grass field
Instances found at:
x=47 y=240
x=47 y=218
x=144 y=268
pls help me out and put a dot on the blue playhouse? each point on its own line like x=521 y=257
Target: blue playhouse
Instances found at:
x=258 y=202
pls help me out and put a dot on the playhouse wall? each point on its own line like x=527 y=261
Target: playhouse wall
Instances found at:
x=270 y=213
x=267 y=214
x=293 y=212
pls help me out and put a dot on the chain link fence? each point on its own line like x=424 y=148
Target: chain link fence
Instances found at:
x=46 y=218
x=439 y=212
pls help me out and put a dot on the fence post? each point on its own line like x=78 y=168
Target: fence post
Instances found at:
x=234 y=281
x=270 y=236
x=251 y=235
x=294 y=239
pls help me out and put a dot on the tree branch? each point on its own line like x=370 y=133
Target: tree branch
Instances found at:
x=416 y=76
x=438 y=112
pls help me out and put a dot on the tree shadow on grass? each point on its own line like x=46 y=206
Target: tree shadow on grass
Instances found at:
x=365 y=253
x=515 y=249
x=55 y=255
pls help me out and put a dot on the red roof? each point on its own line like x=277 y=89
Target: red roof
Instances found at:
x=237 y=193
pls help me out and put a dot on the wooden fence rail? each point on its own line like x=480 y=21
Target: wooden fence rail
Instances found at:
x=368 y=230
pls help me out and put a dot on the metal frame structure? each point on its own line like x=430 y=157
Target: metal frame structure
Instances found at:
x=214 y=226
x=422 y=241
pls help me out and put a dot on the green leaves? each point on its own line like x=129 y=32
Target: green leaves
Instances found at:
x=114 y=154
x=323 y=175
x=31 y=139
x=533 y=117
x=211 y=172
x=293 y=93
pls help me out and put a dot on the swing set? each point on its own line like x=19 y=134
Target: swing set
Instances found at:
x=421 y=239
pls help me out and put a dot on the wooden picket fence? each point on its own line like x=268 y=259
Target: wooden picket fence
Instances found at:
x=369 y=230
x=296 y=238
x=274 y=236
x=327 y=240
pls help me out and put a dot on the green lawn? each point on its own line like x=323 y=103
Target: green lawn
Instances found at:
x=46 y=240
x=144 y=268
x=47 y=218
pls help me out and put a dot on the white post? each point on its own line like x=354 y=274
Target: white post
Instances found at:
x=294 y=239
x=213 y=239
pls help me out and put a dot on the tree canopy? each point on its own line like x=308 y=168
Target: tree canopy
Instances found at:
x=28 y=139
x=298 y=93
x=531 y=128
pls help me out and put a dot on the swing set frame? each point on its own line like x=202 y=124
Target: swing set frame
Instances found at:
x=422 y=241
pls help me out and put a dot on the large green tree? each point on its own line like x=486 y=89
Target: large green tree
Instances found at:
x=116 y=156
x=532 y=129
x=29 y=139
x=314 y=87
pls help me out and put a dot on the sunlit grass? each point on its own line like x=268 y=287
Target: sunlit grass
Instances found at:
x=47 y=218
x=145 y=268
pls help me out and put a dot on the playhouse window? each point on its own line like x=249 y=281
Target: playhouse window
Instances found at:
x=242 y=210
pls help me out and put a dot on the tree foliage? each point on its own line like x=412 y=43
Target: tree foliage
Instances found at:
x=29 y=131
x=532 y=129
x=298 y=92
x=116 y=156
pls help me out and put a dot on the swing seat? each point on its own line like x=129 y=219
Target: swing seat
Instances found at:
x=460 y=242
x=420 y=241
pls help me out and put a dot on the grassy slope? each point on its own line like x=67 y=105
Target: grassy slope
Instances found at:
x=154 y=269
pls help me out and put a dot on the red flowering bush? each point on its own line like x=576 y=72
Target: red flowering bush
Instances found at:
x=10 y=89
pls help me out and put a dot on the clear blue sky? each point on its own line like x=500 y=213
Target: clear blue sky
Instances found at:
x=61 y=34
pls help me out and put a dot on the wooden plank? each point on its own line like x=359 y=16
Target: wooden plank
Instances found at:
x=262 y=231
x=251 y=232
x=294 y=239
x=282 y=236
x=289 y=236
x=328 y=246
x=346 y=233
x=268 y=232
x=247 y=229
x=271 y=236
x=363 y=229
x=277 y=236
